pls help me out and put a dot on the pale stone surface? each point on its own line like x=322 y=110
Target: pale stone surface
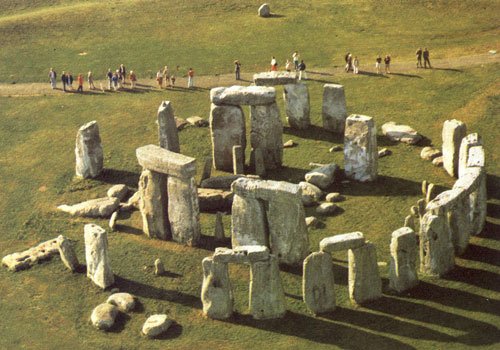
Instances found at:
x=414 y=210
x=360 y=148
x=181 y=123
x=311 y=194
x=473 y=180
x=401 y=133
x=197 y=121
x=153 y=203
x=159 y=268
x=403 y=271
x=297 y=105
x=238 y=160
x=156 y=325
x=335 y=149
x=424 y=187
x=183 y=210
x=243 y=95
x=429 y=153
x=264 y=10
x=112 y=220
x=437 y=255
x=227 y=129
x=438 y=161
x=364 y=280
x=245 y=254
x=431 y=193
x=268 y=190
x=134 y=200
x=289 y=144
x=27 y=258
x=312 y=221
x=334 y=197
x=248 y=221
x=207 y=169
x=100 y=207
x=67 y=253
x=222 y=182
x=421 y=204
x=469 y=141
x=334 y=110
x=216 y=294
x=103 y=316
x=210 y=200
x=345 y=241
x=266 y=131
x=323 y=176
x=453 y=133
x=88 y=151
x=318 y=283
x=96 y=255
x=384 y=152
x=267 y=297
x=274 y=78
x=166 y=162
x=167 y=128
x=118 y=191
x=219 y=228
x=476 y=157
x=326 y=209
x=123 y=301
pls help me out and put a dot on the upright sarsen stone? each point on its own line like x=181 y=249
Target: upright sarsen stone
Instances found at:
x=153 y=204
x=318 y=283
x=96 y=254
x=334 y=109
x=360 y=148
x=248 y=222
x=167 y=129
x=297 y=105
x=266 y=133
x=88 y=151
x=216 y=294
x=403 y=271
x=453 y=133
x=364 y=280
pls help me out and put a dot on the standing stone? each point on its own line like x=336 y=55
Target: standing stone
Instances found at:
x=257 y=160
x=267 y=297
x=431 y=193
x=207 y=169
x=67 y=253
x=183 y=209
x=403 y=272
x=227 y=129
x=96 y=254
x=113 y=219
x=471 y=140
x=216 y=294
x=437 y=255
x=360 y=148
x=421 y=203
x=238 y=160
x=264 y=10
x=297 y=105
x=318 y=283
x=167 y=129
x=334 y=109
x=153 y=203
x=424 y=187
x=159 y=268
x=453 y=133
x=88 y=151
x=364 y=280
x=410 y=222
x=266 y=133
x=219 y=228
x=248 y=221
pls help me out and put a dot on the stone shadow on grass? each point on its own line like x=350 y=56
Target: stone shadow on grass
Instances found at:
x=490 y=231
x=209 y=243
x=120 y=321
x=476 y=277
x=372 y=74
x=482 y=254
x=314 y=132
x=115 y=176
x=407 y=75
x=174 y=331
x=383 y=186
x=493 y=188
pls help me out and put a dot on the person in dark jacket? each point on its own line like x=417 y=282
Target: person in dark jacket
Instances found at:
x=302 y=70
x=426 y=58
x=64 y=80
x=70 y=80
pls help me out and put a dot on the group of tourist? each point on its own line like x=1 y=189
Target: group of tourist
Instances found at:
x=425 y=54
x=299 y=68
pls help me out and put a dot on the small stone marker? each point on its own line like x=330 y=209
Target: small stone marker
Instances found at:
x=264 y=10
x=311 y=194
x=429 y=153
x=384 y=152
x=156 y=325
x=318 y=283
x=219 y=228
x=326 y=209
x=335 y=149
x=403 y=272
x=424 y=187
x=67 y=253
x=438 y=161
x=159 y=268
x=123 y=301
x=112 y=220
x=345 y=241
x=167 y=128
x=96 y=254
x=312 y=221
x=334 y=197
x=88 y=151
x=364 y=280
x=103 y=316
x=289 y=144
x=238 y=160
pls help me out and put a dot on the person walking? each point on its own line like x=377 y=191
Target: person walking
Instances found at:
x=274 y=64
x=110 y=78
x=378 y=64
x=419 y=58
x=90 y=78
x=426 y=58
x=346 y=58
x=52 y=78
x=64 y=80
x=288 y=66
x=295 y=58
x=159 y=79
x=70 y=81
x=387 y=61
x=302 y=70
x=166 y=76
x=237 y=67
x=355 y=65
x=114 y=79
x=172 y=79
x=123 y=73
x=132 y=79
x=190 y=78
x=80 y=82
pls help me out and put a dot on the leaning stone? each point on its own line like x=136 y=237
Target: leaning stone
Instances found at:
x=153 y=203
x=327 y=209
x=216 y=294
x=103 y=316
x=384 y=152
x=424 y=187
x=431 y=193
x=267 y=297
x=155 y=158
x=274 y=78
x=266 y=131
x=219 y=228
x=310 y=193
x=27 y=258
x=360 y=148
x=318 y=283
x=334 y=197
x=289 y=144
x=95 y=208
x=334 y=111
x=264 y=10
x=96 y=254
x=197 y=121
x=438 y=161
x=207 y=169
x=312 y=221
x=167 y=128
x=429 y=153
x=227 y=129
x=297 y=105
x=123 y=301
x=88 y=151
x=453 y=133
x=410 y=222
x=364 y=280
x=248 y=221
x=112 y=220
x=67 y=253
x=159 y=268
x=156 y=325
x=213 y=200
x=345 y=241
x=401 y=133
x=403 y=271
x=238 y=160
x=323 y=176
x=220 y=182
x=118 y=191
x=243 y=95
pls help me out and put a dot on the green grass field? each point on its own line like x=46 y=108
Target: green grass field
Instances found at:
x=47 y=307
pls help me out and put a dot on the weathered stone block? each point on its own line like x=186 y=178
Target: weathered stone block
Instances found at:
x=88 y=151
x=364 y=280
x=403 y=271
x=401 y=133
x=297 y=105
x=323 y=176
x=266 y=131
x=243 y=95
x=248 y=221
x=274 y=78
x=334 y=111
x=453 y=133
x=360 y=148
x=96 y=254
x=153 y=204
x=67 y=253
x=167 y=128
x=345 y=241
x=155 y=158
x=318 y=283
x=216 y=294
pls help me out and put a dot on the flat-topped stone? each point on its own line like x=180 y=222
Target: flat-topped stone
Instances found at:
x=274 y=78
x=242 y=254
x=27 y=258
x=155 y=158
x=468 y=141
x=476 y=157
x=401 y=133
x=243 y=95
x=345 y=241
x=266 y=189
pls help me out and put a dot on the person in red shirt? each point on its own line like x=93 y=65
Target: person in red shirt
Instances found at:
x=190 y=78
x=80 y=82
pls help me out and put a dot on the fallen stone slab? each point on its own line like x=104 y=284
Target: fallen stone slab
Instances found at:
x=311 y=194
x=211 y=200
x=67 y=253
x=327 y=209
x=245 y=254
x=384 y=152
x=118 y=191
x=103 y=316
x=274 y=78
x=345 y=241
x=156 y=325
x=28 y=258
x=95 y=208
x=323 y=176
x=155 y=158
x=429 y=153
x=123 y=301
x=243 y=95
x=220 y=182
x=334 y=197
x=401 y=133
x=335 y=149
x=289 y=144
x=180 y=123
x=197 y=121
